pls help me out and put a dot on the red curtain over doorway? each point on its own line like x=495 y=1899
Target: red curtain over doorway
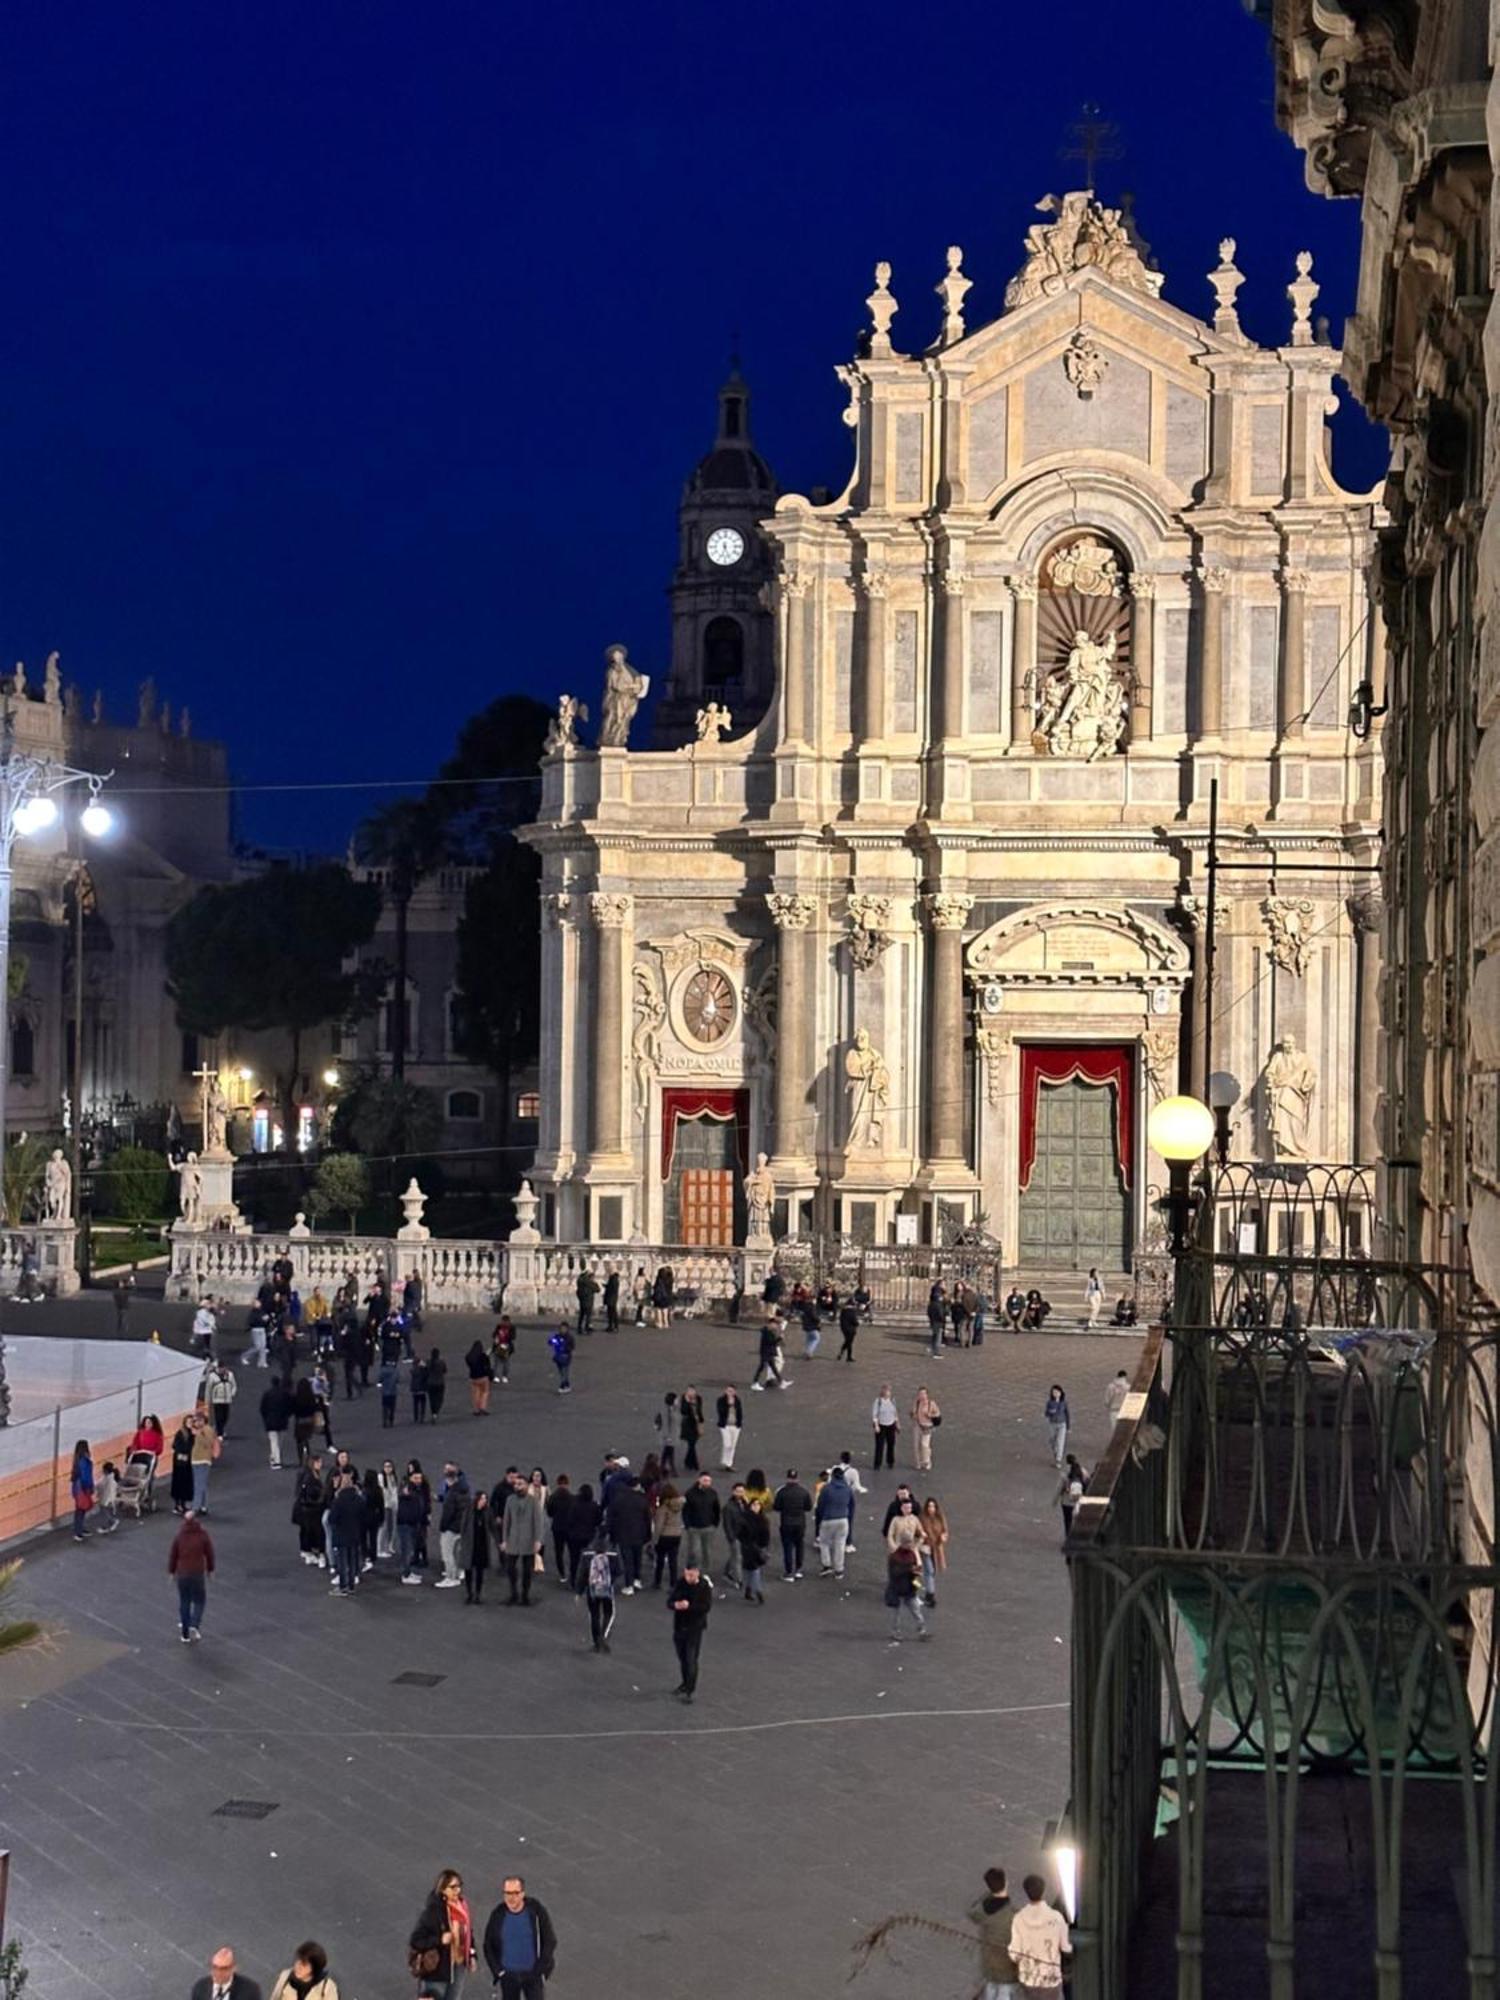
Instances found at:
x=1110 y=1064
x=728 y=1107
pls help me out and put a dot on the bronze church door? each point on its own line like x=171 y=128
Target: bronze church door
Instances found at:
x=1075 y=1210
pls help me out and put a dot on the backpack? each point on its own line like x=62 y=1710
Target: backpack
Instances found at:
x=601 y=1574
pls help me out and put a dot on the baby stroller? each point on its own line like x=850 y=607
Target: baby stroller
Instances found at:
x=136 y=1492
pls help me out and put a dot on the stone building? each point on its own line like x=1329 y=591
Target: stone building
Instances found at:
x=923 y=913
x=1389 y=104
x=169 y=792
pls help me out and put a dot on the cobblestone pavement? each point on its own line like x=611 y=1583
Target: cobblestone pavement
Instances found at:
x=822 y=1781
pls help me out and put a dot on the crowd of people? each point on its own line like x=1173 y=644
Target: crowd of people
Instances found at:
x=668 y=1526
x=517 y=1948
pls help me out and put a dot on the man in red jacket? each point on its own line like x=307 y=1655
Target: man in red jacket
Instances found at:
x=191 y=1561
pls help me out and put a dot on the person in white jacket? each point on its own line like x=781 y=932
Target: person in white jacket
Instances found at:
x=1038 y=1941
x=845 y=1464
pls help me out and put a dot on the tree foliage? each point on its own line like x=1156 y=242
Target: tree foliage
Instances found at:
x=382 y=1117
x=15 y=1633
x=272 y=952
x=500 y=966
x=341 y=1186
x=21 y=1183
x=135 y=1184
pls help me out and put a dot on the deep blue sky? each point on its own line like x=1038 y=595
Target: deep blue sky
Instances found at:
x=353 y=356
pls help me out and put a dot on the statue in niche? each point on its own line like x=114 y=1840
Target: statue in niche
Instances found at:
x=868 y=1082
x=1083 y=706
x=624 y=691
x=1291 y=1081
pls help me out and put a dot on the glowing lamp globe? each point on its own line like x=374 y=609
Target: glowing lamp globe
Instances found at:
x=1181 y=1129
x=36 y=816
x=97 y=820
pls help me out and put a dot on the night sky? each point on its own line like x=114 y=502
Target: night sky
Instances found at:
x=353 y=356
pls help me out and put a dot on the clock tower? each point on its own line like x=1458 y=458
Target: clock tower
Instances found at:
x=721 y=632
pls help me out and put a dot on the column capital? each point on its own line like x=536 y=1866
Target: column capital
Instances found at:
x=1294 y=579
x=557 y=909
x=954 y=581
x=1142 y=587
x=795 y=584
x=1213 y=578
x=1366 y=910
x=873 y=583
x=947 y=910
x=610 y=910
x=791 y=912
x=1022 y=588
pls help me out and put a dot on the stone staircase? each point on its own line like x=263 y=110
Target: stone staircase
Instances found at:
x=1067 y=1291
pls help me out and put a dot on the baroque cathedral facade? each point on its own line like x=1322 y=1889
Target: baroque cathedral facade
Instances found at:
x=912 y=891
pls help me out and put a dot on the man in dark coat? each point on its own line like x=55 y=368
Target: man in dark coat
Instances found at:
x=520 y=1945
x=793 y=1504
x=690 y=1604
x=628 y=1520
x=346 y=1532
x=224 y=1981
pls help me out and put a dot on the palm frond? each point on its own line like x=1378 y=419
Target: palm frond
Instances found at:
x=876 y=1941
x=15 y=1633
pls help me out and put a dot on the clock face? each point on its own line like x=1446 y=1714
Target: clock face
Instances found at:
x=708 y=1005
x=725 y=546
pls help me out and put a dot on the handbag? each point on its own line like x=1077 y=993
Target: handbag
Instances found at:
x=937 y=1420
x=84 y=1501
x=422 y=1962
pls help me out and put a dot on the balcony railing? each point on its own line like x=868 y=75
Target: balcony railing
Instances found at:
x=1284 y=1680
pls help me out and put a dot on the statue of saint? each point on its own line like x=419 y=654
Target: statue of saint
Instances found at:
x=650 y=1012
x=1083 y=710
x=760 y=1193
x=57 y=1189
x=1290 y=1083
x=624 y=691
x=712 y=722
x=869 y=1087
x=215 y=1113
x=190 y=1189
x=562 y=730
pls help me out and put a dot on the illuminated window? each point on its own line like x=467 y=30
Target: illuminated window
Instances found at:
x=529 y=1104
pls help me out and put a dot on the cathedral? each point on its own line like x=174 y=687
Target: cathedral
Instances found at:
x=913 y=890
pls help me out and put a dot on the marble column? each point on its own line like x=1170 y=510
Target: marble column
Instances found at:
x=792 y=916
x=1142 y=699
x=1366 y=913
x=1212 y=582
x=947 y=914
x=1022 y=664
x=611 y=914
x=873 y=664
x=1291 y=680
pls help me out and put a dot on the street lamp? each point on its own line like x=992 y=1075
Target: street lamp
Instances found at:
x=29 y=785
x=1181 y=1129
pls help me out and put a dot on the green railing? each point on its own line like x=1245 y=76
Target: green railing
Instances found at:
x=1283 y=1571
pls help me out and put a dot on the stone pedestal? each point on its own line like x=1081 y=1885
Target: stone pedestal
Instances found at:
x=56 y=1250
x=216 y=1203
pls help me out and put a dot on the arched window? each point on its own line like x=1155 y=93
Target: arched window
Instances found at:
x=465 y=1104
x=723 y=653
x=22 y=1048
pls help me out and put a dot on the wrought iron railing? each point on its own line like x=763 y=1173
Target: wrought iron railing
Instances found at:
x=1284 y=1569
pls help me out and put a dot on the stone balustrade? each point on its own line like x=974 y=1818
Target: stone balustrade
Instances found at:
x=230 y=1266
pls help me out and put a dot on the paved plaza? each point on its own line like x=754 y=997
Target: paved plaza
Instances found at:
x=739 y=1848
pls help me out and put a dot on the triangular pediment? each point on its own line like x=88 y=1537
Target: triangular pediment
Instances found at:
x=1121 y=320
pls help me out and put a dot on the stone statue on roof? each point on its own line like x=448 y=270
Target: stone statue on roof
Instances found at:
x=1085 y=234
x=624 y=691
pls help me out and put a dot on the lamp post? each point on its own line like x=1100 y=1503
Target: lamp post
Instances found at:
x=29 y=785
x=1181 y=1129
